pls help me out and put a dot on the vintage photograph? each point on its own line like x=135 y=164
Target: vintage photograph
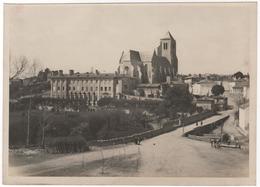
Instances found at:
x=130 y=90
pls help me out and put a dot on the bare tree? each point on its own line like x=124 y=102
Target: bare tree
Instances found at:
x=35 y=67
x=18 y=67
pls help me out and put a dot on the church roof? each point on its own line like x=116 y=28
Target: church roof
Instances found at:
x=146 y=56
x=130 y=55
x=167 y=36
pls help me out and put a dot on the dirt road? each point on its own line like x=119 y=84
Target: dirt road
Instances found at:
x=165 y=155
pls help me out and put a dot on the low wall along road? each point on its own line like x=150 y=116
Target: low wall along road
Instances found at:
x=168 y=126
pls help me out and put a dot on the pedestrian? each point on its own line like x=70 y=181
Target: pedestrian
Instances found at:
x=212 y=142
x=237 y=143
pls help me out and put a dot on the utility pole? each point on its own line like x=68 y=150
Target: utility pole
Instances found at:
x=28 y=124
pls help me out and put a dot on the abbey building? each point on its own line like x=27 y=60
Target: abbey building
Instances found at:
x=151 y=68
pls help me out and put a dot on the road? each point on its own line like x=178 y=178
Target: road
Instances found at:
x=167 y=155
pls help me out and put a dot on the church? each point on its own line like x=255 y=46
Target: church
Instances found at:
x=158 y=67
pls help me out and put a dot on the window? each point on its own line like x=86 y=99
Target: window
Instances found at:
x=105 y=88
x=82 y=88
x=109 y=88
x=91 y=89
x=73 y=87
x=101 y=88
x=96 y=81
x=165 y=46
x=58 y=88
x=63 y=88
x=96 y=88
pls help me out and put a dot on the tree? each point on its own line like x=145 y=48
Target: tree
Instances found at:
x=141 y=92
x=105 y=101
x=18 y=67
x=238 y=75
x=35 y=68
x=217 y=90
x=177 y=99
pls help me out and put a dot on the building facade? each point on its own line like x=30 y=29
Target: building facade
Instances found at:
x=151 y=67
x=203 y=88
x=244 y=117
x=90 y=86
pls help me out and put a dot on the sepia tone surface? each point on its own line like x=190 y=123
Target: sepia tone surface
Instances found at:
x=98 y=93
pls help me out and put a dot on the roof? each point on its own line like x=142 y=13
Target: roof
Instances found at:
x=148 y=85
x=91 y=75
x=206 y=82
x=167 y=36
x=131 y=55
x=242 y=84
x=146 y=56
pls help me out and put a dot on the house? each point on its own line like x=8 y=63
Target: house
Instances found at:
x=244 y=117
x=206 y=104
x=221 y=102
x=213 y=103
x=241 y=88
x=203 y=88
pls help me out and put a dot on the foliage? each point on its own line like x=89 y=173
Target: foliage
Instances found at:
x=177 y=99
x=105 y=101
x=238 y=75
x=217 y=90
x=90 y=125
x=225 y=137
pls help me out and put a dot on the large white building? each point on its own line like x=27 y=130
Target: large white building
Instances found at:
x=90 y=86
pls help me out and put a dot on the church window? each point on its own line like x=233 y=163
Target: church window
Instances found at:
x=165 y=46
x=126 y=69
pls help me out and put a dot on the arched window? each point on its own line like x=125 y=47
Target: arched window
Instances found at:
x=126 y=69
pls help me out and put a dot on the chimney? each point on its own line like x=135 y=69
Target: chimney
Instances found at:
x=71 y=72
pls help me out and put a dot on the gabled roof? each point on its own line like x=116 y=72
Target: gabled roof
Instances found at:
x=131 y=55
x=146 y=56
x=167 y=36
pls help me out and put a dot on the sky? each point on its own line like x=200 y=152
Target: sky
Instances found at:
x=211 y=38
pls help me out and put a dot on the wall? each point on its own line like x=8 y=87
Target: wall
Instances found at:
x=244 y=118
x=168 y=126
